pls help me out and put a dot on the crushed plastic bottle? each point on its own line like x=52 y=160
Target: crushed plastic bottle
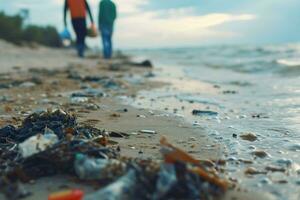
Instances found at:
x=121 y=189
x=38 y=143
x=88 y=168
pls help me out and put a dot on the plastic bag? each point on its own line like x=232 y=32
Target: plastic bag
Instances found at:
x=38 y=143
x=66 y=37
x=65 y=34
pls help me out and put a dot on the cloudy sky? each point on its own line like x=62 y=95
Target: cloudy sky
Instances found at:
x=167 y=23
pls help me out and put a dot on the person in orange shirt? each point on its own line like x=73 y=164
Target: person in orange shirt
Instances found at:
x=78 y=10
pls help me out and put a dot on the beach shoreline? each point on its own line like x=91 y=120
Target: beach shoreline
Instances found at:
x=47 y=77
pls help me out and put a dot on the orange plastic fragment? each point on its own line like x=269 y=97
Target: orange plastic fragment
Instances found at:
x=210 y=178
x=178 y=155
x=67 y=195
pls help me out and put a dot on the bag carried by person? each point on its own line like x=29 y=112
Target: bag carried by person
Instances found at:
x=65 y=37
x=92 y=31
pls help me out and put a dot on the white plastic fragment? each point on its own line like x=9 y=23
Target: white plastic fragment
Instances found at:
x=38 y=143
x=76 y=100
x=148 y=131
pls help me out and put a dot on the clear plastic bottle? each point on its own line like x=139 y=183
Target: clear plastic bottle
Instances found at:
x=89 y=168
x=122 y=189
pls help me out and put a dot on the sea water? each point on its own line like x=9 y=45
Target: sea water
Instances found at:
x=253 y=89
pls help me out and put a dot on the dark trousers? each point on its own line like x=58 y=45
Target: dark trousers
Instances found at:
x=106 y=33
x=79 y=25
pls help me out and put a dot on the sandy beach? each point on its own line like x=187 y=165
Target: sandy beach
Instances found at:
x=35 y=79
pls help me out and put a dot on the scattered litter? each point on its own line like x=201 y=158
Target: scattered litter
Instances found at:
x=88 y=155
x=92 y=106
x=78 y=100
x=145 y=63
x=67 y=195
x=118 y=134
x=89 y=92
x=230 y=92
x=204 y=113
x=27 y=85
x=123 y=188
x=92 y=169
x=148 y=131
x=259 y=115
x=38 y=143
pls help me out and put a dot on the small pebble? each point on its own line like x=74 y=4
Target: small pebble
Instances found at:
x=265 y=181
x=275 y=168
x=253 y=171
x=285 y=161
x=260 y=153
x=281 y=181
x=249 y=136
x=295 y=147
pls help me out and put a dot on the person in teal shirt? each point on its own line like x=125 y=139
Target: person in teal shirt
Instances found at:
x=107 y=17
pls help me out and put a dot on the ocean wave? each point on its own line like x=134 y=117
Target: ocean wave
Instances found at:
x=289 y=62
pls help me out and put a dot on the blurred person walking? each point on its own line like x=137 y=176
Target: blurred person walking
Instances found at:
x=78 y=10
x=107 y=17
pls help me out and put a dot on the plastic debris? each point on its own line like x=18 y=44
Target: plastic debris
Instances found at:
x=78 y=100
x=204 y=113
x=148 y=131
x=65 y=36
x=86 y=153
x=89 y=92
x=67 y=195
x=166 y=180
x=38 y=143
x=118 y=134
x=123 y=188
x=173 y=154
x=92 y=169
x=145 y=63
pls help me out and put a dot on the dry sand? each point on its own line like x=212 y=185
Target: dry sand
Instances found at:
x=54 y=68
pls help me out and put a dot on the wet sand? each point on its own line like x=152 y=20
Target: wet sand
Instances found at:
x=46 y=78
